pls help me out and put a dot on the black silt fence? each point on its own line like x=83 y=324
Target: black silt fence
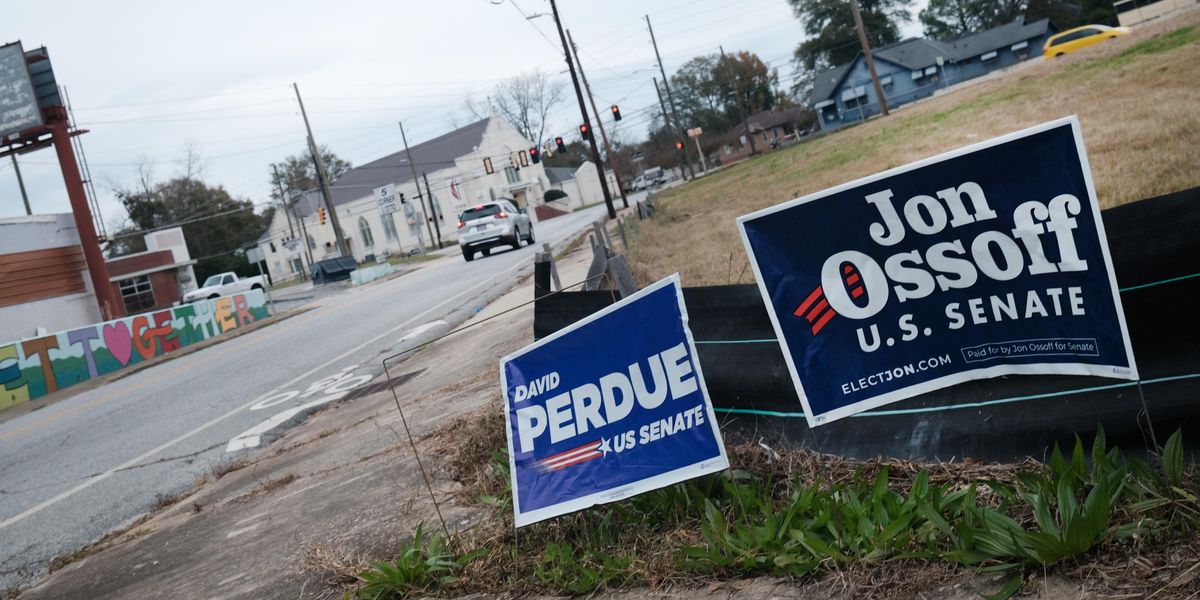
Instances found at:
x=1155 y=246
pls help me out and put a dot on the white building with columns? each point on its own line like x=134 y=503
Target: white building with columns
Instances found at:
x=457 y=173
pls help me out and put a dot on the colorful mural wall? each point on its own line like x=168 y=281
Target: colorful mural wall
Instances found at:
x=35 y=367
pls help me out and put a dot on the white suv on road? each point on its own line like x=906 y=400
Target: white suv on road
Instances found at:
x=499 y=223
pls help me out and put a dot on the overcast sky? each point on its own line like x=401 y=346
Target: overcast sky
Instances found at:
x=147 y=77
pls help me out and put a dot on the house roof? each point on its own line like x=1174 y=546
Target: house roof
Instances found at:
x=974 y=44
x=559 y=174
x=428 y=156
x=825 y=82
x=762 y=121
x=920 y=53
x=913 y=53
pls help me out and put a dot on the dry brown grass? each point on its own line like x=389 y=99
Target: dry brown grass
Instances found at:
x=1140 y=116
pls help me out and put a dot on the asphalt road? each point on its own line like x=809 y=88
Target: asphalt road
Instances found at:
x=91 y=463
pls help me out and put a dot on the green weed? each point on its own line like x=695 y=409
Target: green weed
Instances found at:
x=426 y=563
x=564 y=569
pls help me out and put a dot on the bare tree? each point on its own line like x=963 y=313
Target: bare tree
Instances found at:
x=524 y=100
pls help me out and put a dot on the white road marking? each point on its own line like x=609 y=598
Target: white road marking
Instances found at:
x=351 y=480
x=237 y=532
x=253 y=518
x=17 y=518
x=301 y=490
x=231 y=579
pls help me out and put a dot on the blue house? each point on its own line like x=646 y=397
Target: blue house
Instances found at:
x=915 y=68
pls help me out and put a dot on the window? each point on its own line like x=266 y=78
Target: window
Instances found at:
x=930 y=70
x=988 y=56
x=364 y=229
x=885 y=82
x=272 y=244
x=295 y=265
x=492 y=194
x=228 y=280
x=1019 y=46
x=512 y=175
x=1074 y=35
x=312 y=244
x=137 y=293
x=389 y=227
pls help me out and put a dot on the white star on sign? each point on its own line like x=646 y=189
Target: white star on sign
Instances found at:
x=604 y=447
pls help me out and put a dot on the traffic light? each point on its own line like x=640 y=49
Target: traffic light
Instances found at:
x=321 y=215
x=534 y=156
x=487 y=165
x=679 y=146
x=585 y=132
x=616 y=113
x=558 y=143
x=524 y=159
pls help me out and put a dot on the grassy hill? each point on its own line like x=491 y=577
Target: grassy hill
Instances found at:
x=1137 y=97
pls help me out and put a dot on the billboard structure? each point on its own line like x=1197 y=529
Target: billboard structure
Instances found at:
x=33 y=117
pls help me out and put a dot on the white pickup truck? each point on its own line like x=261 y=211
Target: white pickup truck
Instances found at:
x=223 y=284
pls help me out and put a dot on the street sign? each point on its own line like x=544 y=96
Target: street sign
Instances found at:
x=385 y=197
x=986 y=261
x=610 y=407
x=695 y=132
x=18 y=102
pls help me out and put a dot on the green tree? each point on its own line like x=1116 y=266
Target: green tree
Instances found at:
x=708 y=88
x=214 y=223
x=577 y=153
x=1066 y=15
x=298 y=174
x=947 y=18
x=832 y=36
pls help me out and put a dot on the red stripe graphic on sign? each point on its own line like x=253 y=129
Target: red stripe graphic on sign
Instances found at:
x=808 y=302
x=570 y=457
x=816 y=310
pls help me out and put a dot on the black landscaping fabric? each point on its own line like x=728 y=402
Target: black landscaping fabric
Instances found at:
x=1154 y=243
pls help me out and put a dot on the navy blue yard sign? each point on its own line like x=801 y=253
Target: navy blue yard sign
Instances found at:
x=990 y=260
x=612 y=406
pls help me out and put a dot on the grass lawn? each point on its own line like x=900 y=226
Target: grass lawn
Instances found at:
x=1137 y=97
x=411 y=260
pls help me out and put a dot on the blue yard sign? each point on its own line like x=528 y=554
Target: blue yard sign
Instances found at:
x=610 y=407
x=987 y=261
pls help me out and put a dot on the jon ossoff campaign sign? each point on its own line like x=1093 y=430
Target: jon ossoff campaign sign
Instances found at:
x=986 y=261
x=613 y=406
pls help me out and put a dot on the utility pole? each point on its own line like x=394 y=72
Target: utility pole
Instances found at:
x=307 y=248
x=667 y=120
x=283 y=199
x=737 y=86
x=416 y=182
x=323 y=178
x=287 y=212
x=437 y=214
x=599 y=123
x=671 y=99
x=21 y=183
x=608 y=203
x=866 y=48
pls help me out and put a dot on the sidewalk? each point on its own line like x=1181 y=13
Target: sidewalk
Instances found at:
x=327 y=498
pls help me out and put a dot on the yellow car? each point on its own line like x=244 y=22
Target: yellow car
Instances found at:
x=1074 y=39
